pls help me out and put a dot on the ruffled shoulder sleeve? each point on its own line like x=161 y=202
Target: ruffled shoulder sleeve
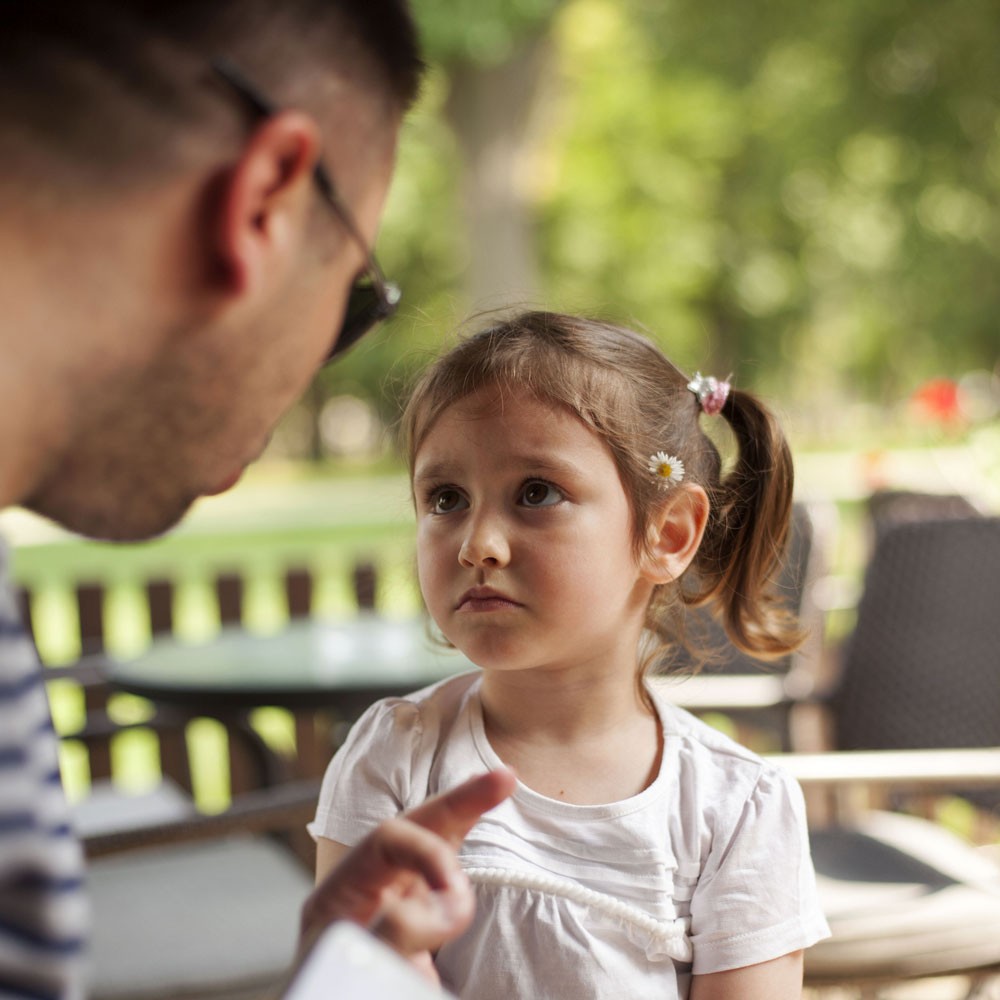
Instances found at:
x=384 y=766
x=756 y=898
x=377 y=773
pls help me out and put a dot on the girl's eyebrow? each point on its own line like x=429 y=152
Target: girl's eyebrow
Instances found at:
x=436 y=470
x=545 y=463
x=537 y=463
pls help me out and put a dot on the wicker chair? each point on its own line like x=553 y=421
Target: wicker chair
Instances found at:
x=921 y=671
x=888 y=508
x=922 y=667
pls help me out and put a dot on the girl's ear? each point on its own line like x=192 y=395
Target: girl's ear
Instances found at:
x=674 y=534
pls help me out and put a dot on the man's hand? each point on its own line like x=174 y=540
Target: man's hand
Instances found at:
x=403 y=881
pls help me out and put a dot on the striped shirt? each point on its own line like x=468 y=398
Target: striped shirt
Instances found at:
x=43 y=907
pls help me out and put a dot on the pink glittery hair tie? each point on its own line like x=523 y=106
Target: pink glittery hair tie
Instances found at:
x=712 y=394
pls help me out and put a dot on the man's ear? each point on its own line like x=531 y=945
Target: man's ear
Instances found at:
x=264 y=200
x=675 y=533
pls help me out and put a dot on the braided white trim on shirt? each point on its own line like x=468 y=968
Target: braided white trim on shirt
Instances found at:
x=670 y=935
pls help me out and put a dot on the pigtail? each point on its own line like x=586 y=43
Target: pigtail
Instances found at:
x=745 y=540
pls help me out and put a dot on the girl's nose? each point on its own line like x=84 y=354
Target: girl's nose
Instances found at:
x=485 y=544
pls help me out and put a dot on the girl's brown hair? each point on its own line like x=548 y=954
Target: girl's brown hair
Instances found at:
x=623 y=388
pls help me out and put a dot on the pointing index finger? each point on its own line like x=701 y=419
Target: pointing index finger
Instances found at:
x=453 y=814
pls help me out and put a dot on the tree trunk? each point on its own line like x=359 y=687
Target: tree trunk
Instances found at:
x=489 y=108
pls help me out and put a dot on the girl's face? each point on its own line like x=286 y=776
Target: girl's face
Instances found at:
x=524 y=538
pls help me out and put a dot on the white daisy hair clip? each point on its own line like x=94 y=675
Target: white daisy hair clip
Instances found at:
x=711 y=392
x=668 y=469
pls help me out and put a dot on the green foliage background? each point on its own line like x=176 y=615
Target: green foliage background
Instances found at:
x=803 y=194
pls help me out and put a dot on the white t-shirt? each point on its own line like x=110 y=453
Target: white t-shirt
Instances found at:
x=705 y=870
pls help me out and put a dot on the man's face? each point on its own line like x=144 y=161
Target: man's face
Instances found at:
x=192 y=420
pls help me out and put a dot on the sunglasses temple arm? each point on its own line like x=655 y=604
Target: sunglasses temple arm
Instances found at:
x=233 y=76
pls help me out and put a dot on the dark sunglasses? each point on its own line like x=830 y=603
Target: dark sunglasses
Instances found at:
x=372 y=298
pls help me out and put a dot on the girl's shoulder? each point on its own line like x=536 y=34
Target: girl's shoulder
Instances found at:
x=710 y=785
x=386 y=757
x=433 y=707
x=695 y=747
x=447 y=696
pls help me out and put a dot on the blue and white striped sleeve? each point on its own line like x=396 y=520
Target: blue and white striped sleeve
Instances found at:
x=43 y=907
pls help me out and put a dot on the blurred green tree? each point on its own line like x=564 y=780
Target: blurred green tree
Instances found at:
x=805 y=193
x=798 y=190
x=458 y=230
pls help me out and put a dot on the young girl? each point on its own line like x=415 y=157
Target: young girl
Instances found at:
x=569 y=506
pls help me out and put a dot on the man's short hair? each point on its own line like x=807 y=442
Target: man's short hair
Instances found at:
x=109 y=84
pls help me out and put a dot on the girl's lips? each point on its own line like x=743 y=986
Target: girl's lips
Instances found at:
x=485 y=599
x=487 y=604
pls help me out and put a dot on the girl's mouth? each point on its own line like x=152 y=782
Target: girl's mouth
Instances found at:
x=483 y=599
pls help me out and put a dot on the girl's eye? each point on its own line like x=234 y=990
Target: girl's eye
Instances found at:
x=538 y=493
x=445 y=500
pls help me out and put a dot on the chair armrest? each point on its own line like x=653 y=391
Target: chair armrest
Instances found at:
x=964 y=768
x=842 y=785
x=88 y=672
x=283 y=807
x=724 y=692
x=99 y=725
